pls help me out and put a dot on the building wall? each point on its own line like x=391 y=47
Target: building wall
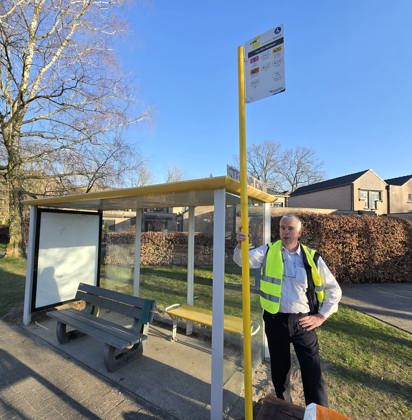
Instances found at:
x=370 y=182
x=332 y=198
x=281 y=201
x=203 y=220
x=395 y=196
x=399 y=198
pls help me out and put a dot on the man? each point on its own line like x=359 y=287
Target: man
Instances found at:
x=297 y=294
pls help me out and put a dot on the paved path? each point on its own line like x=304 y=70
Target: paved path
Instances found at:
x=36 y=382
x=389 y=302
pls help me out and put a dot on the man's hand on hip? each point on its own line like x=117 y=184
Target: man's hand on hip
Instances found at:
x=311 y=322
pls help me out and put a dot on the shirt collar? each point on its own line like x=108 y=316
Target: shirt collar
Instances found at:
x=297 y=252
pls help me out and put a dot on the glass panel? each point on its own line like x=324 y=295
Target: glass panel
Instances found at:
x=163 y=277
x=233 y=361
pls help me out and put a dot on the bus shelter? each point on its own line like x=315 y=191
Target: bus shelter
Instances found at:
x=65 y=236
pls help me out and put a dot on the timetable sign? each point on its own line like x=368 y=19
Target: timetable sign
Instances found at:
x=264 y=65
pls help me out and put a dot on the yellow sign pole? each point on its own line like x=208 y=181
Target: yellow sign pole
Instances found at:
x=247 y=348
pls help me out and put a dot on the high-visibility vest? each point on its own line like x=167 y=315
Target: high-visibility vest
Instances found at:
x=272 y=276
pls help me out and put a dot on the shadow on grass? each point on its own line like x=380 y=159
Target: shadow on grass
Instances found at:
x=366 y=333
x=6 y=275
x=11 y=290
x=371 y=381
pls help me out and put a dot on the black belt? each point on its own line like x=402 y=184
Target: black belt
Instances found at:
x=285 y=315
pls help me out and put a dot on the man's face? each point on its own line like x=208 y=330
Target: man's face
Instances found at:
x=289 y=233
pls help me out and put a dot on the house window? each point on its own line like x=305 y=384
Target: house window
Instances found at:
x=363 y=195
x=409 y=198
x=370 y=198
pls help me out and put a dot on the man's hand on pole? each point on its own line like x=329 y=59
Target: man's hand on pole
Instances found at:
x=240 y=236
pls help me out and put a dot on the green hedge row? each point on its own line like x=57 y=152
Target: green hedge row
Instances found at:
x=360 y=249
x=357 y=249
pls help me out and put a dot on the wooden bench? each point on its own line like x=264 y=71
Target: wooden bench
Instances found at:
x=120 y=343
x=232 y=324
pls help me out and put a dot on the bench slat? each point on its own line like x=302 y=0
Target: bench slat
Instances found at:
x=118 y=329
x=102 y=330
x=104 y=302
x=133 y=306
x=203 y=316
x=136 y=301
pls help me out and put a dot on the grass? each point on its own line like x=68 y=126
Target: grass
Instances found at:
x=12 y=280
x=167 y=285
x=367 y=364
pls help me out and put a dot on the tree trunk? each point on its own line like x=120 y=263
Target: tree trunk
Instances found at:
x=15 y=247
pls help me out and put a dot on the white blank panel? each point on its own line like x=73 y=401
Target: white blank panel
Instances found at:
x=68 y=254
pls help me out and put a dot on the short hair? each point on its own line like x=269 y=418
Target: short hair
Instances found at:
x=293 y=217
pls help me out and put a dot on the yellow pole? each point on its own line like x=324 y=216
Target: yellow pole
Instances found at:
x=247 y=352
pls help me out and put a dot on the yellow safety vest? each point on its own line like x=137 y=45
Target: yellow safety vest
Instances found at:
x=272 y=276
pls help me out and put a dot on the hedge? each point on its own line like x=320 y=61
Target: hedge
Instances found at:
x=359 y=249
x=157 y=248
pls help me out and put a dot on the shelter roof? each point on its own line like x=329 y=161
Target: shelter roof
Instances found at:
x=197 y=192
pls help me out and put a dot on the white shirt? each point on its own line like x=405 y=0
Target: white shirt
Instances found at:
x=294 y=283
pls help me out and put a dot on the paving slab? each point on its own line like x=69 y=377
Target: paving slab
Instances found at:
x=172 y=376
x=388 y=302
x=36 y=382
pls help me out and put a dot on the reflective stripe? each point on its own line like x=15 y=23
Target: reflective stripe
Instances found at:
x=319 y=288
x=269 y=297
x=272 y=280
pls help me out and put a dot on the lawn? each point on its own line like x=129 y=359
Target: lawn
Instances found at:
x=167 y=285
x=12 y=280
x=367 y=363
x=368 y=366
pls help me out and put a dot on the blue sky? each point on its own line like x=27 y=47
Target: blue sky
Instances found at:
x=348 y=82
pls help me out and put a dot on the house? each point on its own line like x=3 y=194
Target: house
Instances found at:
x=399 y=194
x=360 y=191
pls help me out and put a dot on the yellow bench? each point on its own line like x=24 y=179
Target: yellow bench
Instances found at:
x=232 y=324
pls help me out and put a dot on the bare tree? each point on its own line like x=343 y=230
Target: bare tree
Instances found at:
x=174 y=174
x=283 y=170
x=299 y=167
x=144 y=176
x=62 y=103
x=263 y=160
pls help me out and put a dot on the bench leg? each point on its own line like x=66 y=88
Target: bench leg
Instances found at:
x=62 y=335
x=114 y=358
x=174 y=329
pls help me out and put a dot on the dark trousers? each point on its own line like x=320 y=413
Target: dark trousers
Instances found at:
x=281 y=330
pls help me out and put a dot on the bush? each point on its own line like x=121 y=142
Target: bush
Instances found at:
x=157 y=248
x=359 y=249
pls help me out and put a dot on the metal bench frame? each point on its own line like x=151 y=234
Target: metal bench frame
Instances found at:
x=121 y=344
